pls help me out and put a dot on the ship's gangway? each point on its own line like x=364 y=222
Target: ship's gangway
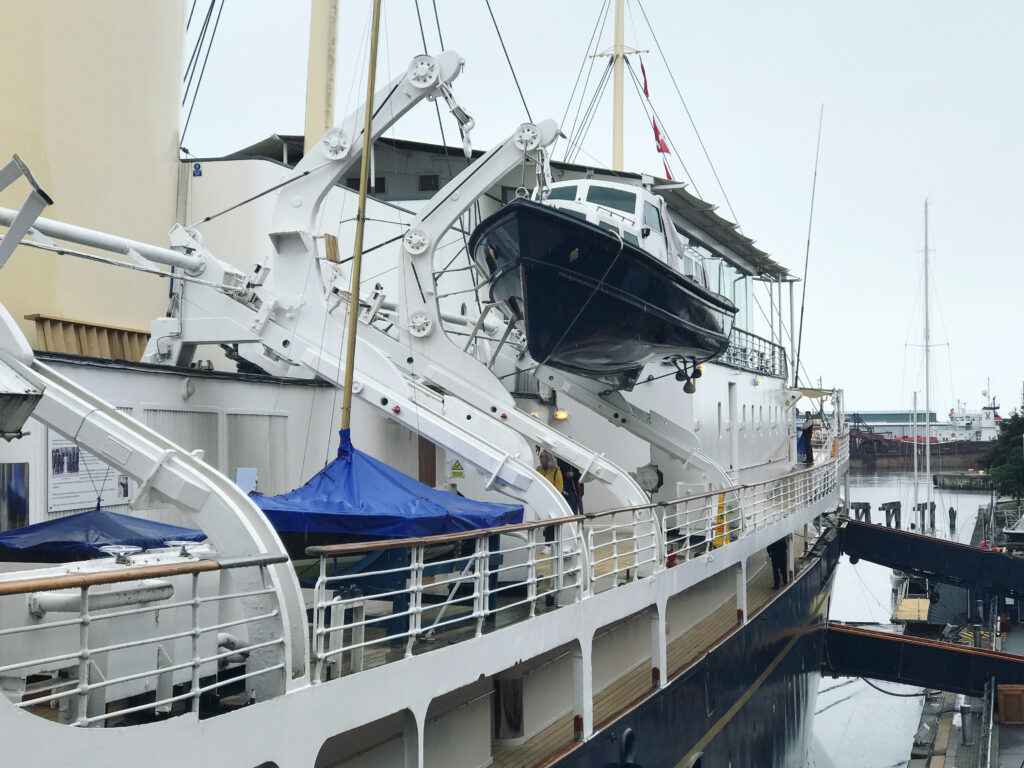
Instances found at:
x=860 y=652
x=985 y=571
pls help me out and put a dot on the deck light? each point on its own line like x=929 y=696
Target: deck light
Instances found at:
x=561 y=415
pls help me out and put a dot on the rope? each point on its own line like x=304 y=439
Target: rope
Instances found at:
x=199 y=82
x=509 y=60
x=893 y=693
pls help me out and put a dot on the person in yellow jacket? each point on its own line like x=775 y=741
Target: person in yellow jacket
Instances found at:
x=550 y=470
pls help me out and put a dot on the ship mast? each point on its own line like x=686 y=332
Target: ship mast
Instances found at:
x=619 y=64
x=323 y=44
x=927 y=377
x=357 y=251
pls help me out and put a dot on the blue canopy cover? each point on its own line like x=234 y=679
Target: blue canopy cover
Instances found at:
x=360 y=496
x=79 y=537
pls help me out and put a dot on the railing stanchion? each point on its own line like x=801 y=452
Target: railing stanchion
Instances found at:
x=416 y=556
x=531 y=570
x=83 y=659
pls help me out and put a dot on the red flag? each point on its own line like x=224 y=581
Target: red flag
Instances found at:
x=660 y=144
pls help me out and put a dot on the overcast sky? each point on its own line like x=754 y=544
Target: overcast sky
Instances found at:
x=921 y=100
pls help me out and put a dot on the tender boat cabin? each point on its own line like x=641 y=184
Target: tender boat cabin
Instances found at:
x=633 y=213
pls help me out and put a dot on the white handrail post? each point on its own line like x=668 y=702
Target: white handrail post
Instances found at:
x=416 y=556
x=480 y=586
x=83 y=658
x=319 y=619
x=195 y=643
x=531 y=570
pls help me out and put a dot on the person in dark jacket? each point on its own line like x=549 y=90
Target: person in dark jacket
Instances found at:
x=778 y=555
x=572 y=488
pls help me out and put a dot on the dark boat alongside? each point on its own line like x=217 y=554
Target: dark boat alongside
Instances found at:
x=601 y=298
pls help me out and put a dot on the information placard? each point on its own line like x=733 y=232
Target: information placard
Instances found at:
x=77 y=478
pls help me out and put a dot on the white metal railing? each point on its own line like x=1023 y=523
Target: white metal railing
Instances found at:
x=754 y=353
x=168 y=653
x=456 y=582
x=377 y=602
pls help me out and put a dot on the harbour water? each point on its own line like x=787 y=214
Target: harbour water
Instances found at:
x=856 y=725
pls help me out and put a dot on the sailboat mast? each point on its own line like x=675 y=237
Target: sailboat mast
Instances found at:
x=618 y=71
x=913 y=434
x=357 y=251
x=927 y=372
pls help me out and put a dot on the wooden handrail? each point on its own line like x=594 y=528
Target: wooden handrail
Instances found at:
x=79 y=580
x=328 y=550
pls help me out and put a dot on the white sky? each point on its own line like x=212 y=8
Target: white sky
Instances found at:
x=921 y=100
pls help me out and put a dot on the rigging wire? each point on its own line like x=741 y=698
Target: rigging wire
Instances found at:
x=686 y=109
x=807 y=252
x=583 y=92
x=199 y=82
x=577 y=136
x=193 y=10
x=601 y=17
x=509 y=60
x=190 y=68
x=661 y=123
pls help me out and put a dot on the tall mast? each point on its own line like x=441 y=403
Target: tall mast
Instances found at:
x=357 y=251
x=323 y=44
x=927 y=372
x=913 y=435
x=619 y=63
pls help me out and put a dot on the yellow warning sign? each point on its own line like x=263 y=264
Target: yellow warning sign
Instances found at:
x=457 y=469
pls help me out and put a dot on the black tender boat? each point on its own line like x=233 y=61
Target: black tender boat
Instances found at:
x=592 y=302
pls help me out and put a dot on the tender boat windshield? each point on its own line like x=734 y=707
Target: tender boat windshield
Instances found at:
x=563 y=193
x=619 y=199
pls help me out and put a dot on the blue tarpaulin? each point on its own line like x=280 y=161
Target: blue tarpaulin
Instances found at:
x=357 y=495
x=79 y=537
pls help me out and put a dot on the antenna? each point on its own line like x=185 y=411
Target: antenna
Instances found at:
x=807 y=252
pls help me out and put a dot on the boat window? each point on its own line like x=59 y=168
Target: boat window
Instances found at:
x=619 y=199
x=562 y=193
x=652 y=218
x=609 y=227
x=630 y=238
x=574 y=214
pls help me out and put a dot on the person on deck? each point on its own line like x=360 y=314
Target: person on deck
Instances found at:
x=573 y=490
x=778 y=555
x=550 y=470
x=808 y=433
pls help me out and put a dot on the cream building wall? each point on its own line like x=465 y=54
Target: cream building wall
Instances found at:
x=90 y=97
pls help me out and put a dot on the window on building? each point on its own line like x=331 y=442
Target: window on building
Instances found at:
x=430 y=182
x=379 y=186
